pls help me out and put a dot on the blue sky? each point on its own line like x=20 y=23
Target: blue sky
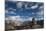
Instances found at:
x=24 y=10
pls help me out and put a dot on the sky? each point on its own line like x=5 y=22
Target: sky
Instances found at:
x=24 y=11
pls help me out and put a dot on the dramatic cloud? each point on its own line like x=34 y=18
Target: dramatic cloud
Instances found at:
x=41 y=10
x=23 y=9
x=19 y=5
x=41 y=7
x=34 y=7
x=26 y=6
x=40 y=13
x=10 y=11
x=16 y=18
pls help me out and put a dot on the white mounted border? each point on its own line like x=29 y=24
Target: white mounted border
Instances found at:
x=2 y=15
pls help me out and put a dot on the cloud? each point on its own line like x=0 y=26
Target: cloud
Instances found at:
x=42 y=18
x=19 y=18
x=33 y=13
x=26 y=6
x=41 y=10
x=19 y=5
x=16 y=18
x=36 y=19
x=6 y=11
x=41 y=7
x=30 y=18
x=40 y=13
x=34 y=7
x=12 y=9
x=10 y=12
